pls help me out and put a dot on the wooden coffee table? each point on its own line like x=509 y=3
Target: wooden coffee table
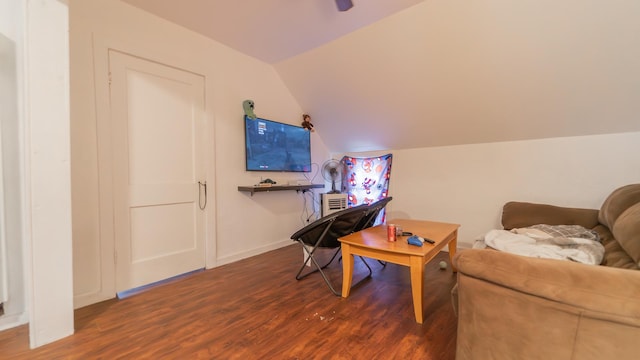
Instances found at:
x=373 y=243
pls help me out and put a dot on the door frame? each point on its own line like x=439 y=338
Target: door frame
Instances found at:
x=151 y=51
x=144 y=196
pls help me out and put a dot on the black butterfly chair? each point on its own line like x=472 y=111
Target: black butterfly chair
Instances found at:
x=373 y=212
x=324 y=233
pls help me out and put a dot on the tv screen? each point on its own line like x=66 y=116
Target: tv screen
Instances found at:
x=274 y=146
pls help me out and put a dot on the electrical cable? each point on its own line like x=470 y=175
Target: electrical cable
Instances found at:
x=314 y=175
x=306 y=215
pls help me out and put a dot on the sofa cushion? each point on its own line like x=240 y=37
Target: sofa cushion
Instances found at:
x=617 y=202
x=515 y=307
x=626 y=230
x=517 y=214
x=592 y=288
x=614 y=254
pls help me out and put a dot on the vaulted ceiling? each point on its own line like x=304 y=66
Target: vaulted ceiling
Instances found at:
x=409 y=73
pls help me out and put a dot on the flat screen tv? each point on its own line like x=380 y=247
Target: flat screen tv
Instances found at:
x=275 y=146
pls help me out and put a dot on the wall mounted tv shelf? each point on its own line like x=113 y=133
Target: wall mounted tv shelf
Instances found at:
x=303 y=188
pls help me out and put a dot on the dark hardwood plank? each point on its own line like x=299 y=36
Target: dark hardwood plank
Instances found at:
x=255 y=309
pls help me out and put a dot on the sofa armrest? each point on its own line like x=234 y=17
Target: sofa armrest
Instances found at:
x=590 y=287
x=516 y=307
x=522 y=214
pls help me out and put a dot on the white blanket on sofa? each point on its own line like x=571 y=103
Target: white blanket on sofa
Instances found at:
x=575 y=243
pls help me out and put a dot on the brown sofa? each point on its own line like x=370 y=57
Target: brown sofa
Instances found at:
x=516 y=307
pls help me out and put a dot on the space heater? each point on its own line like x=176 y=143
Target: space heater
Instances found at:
x=333 y=203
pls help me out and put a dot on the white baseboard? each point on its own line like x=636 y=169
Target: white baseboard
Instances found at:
x=464 y=245
x=88 y=299
x=11 y=321
x=252 y=252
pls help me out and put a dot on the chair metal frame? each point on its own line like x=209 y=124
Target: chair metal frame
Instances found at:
x=327 y=231
x=374 y=210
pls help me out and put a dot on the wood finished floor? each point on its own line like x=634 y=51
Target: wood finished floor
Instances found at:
x=255 y=309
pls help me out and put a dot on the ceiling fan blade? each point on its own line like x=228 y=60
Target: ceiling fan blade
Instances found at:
x=344 y=5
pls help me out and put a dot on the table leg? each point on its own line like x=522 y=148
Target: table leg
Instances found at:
x=417 y=286
x=453 y=245
x=347 y=269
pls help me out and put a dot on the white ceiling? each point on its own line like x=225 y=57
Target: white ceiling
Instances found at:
x=404 y=74
x=271 y=30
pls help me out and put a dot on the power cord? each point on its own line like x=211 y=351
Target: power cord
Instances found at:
x=314 y=174
x=306 y=215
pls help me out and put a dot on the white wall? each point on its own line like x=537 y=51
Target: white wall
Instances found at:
x=11 y=226
x=238 y=225
x=47 y=174
x=468 y=184
x=35 y=124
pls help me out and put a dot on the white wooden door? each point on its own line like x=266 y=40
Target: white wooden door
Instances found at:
x=157 y=124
